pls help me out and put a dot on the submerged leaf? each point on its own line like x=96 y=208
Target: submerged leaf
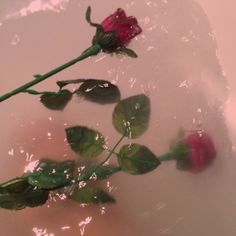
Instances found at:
x=56 y=101
x=137 y=159
x=131 y=116
x=104 y=172
x=16 y=185
x=18 y=194
x=50 y=174
x=91 y=195
x=84 y=141
x=99 y=91
x=36 y=197
x=10 y=194
x=12 y=201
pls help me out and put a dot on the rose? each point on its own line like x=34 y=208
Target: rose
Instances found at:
x=115 y=32
x=193 y=152
x=124 y=27
x=112 y=35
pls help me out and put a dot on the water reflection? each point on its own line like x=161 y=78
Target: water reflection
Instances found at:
x=26 y=7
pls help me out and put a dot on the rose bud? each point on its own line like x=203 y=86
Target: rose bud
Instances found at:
x=194 y=152
x=115 y=32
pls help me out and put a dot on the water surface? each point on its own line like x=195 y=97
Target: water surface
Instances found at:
x=177 y=68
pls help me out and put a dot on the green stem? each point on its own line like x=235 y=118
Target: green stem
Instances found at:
x=93 y=50
x=110 y=151
x=87 y=175
x=34 y=92
x=63 y=83
x=9 y=181
x=166 y=157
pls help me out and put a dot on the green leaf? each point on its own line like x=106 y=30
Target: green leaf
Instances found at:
x=84 y=141
x=137 y=159
x=16 y=185
x=99 y=91
x=129 y=52
x=104 y=172
x=56 y=101
x=12 y=201
x=36 y=197
x=131 y=116
x=17 y=194
x=10 y=194
x=91 y=195
x=50 y=174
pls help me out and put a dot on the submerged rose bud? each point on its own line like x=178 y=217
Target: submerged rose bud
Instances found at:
x=201 y=151
x=125 y=28
x=193 y=152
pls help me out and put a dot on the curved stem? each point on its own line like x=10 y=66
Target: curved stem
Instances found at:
x=63 y=83
x=110 y=151
x=87 y=175
x=34 y=92
x=93 y=50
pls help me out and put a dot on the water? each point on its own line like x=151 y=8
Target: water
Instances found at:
x=177 y=67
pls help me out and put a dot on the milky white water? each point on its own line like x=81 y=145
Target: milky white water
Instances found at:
x=177 y=67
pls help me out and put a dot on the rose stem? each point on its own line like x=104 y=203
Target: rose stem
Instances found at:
x=166 y=157
x=87 y=175
x=34 y=92
x=93 y=50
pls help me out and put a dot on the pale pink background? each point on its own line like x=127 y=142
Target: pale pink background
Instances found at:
x=223 y=19
x=176 y=203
